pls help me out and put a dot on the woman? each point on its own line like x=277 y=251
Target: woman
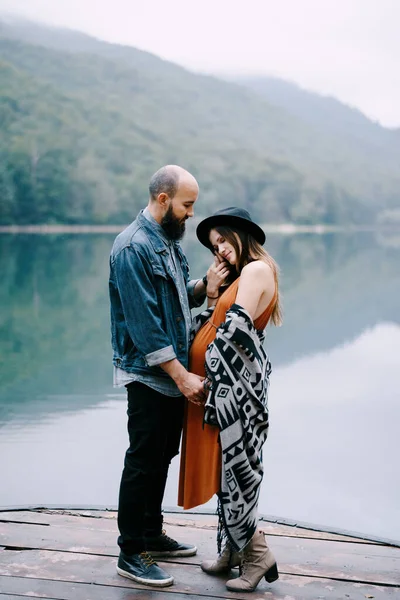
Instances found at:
x=242 y=293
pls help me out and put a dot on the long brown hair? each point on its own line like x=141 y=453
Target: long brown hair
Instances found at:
x=247 y=250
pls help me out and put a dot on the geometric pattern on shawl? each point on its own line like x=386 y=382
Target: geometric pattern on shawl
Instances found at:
x=238 y=368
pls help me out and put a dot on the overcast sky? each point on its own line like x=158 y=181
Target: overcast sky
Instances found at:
x=346 y=48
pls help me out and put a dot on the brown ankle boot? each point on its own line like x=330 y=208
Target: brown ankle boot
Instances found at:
x=258 y=562
x=224 y=563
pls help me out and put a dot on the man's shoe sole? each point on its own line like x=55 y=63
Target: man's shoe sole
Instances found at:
x=173 y=553
x=152 y=582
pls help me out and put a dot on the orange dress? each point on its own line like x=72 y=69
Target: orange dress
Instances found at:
x=201 y=459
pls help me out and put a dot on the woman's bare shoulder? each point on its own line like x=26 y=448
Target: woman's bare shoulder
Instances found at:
x=258 y=275
x=256 y=287
x=257 y=267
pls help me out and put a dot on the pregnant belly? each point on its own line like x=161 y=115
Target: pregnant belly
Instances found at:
x=197 y=354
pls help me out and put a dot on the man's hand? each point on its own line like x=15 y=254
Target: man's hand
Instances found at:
x=192 y=387
x=189 y=384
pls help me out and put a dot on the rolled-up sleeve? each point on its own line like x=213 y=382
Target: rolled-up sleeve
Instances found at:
x=136 y=287
x=160 y=356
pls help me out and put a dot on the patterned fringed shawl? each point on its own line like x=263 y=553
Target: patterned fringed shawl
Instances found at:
x=239 y=369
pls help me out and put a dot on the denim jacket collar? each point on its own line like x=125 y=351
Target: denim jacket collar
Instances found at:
x=156 y=234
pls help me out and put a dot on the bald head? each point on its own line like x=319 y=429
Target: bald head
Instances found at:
x=173 y=193
x=168 y=179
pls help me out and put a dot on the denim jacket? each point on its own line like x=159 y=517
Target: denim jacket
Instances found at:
x=147 y=321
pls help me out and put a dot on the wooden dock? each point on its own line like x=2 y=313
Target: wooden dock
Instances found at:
x=71 y=555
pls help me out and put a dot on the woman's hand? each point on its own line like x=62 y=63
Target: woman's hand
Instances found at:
x=216 y=275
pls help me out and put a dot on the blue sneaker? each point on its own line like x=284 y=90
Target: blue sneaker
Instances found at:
x=164 y=546
x=143 y=569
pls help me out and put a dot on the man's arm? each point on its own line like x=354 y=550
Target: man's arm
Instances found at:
x=197 y=290
x=136 y=286
x=135 y=281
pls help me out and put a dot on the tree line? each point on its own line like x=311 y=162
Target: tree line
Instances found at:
x=82 y=134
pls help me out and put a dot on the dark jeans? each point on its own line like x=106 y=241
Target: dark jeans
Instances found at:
x=154 y=427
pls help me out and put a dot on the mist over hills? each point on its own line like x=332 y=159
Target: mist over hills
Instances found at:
x=325 y=111
x=85 y=123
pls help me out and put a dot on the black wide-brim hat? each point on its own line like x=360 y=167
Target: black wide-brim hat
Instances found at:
x=237 y=218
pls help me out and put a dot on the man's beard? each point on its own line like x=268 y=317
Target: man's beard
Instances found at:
x=173 y=227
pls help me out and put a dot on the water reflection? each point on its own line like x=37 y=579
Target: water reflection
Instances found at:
x=55 y=323
x=333 y=436
x=334 y=396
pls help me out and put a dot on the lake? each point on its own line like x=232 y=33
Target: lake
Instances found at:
x=332 y=456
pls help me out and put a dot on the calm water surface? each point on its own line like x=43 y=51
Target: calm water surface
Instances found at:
x=332 y=454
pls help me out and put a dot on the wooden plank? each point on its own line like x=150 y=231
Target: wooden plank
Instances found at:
x=379 y=564
x=95 y=541
x=273 y=529
x=289 y=528
x=59 y=520
x=105 y=520
x=61 y=590
x=18 y=597
x=74 y=577
x=310 y=555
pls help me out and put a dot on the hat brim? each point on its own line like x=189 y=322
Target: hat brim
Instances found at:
x=204 y=227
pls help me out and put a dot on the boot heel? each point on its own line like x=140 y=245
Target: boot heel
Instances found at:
x=272 y=574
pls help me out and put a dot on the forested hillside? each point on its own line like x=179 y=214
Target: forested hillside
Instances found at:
x=332 y=117
x=85 y=123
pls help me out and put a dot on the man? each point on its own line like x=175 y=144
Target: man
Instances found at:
x=150 y=319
